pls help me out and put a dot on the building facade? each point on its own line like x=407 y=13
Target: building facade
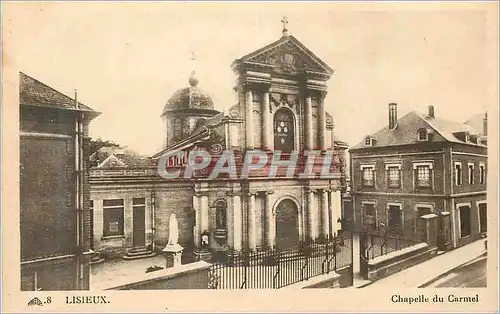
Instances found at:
x=422 y=166
x=54 y=219
x=281 y=91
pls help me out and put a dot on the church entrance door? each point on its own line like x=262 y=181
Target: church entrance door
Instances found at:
x=287 y=228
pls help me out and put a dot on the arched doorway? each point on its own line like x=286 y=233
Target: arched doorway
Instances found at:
x=284 y=131
x=287 y=224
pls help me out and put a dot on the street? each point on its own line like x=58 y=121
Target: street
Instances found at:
x=470 y=275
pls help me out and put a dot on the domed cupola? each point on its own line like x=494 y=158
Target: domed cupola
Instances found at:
x=189 y=98
x=183 y=110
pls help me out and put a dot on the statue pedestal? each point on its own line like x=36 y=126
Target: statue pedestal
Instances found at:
x=173 y=254
x=203 y=255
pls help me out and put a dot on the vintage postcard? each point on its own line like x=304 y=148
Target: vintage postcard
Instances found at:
x=249 y=156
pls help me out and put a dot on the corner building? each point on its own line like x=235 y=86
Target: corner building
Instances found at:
x=423 y=167
x=55 y=221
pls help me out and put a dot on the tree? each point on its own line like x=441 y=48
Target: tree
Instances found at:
x=98 y=143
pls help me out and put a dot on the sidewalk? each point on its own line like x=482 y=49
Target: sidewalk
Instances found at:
x=422 y=273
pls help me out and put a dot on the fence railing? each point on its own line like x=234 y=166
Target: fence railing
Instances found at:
x=273 y=269
x=382 y=244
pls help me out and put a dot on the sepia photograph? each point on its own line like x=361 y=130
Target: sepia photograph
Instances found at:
x=334 y=148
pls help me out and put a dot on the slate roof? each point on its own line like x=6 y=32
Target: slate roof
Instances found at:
x=407 y=127
x=35 y=93
x=476 y=121
x=119 y=157
x=191 y=97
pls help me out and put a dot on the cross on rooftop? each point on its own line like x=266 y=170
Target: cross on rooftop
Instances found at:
x=284 y=20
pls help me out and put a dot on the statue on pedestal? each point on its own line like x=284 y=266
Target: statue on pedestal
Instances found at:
x=173 y=230
x=173 y=251
x=205 y=245
x=204 y=252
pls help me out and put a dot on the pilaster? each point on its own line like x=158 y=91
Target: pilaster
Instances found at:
x=308 y=120
x=237 y=220
x=325 y=223
x=252 y=223
x=249 y=118
x=322 y=133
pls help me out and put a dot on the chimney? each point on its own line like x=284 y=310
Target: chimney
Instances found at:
x=76 y=98
x=485 y=124
x=431 y=111
x=393 y=115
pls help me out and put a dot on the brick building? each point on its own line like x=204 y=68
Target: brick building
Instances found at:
x=418 y=165
x=281 y=90
x=54 y=219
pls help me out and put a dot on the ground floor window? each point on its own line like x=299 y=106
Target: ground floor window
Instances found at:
x=369 y=216
x=113 y=217
x=464 y=212
x=483 y=218
x=395 y=218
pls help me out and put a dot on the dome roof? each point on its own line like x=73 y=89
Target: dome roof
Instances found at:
x=191 y=97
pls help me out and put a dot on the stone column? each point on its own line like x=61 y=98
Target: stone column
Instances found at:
x=98 y=223
x=197 y=227
x=325 y=223
x=128 y=221
x=332 y=138
x=308 y=118
x=252 y=223
x=237 y=222
x=333 y=221
x=204 y=213
x=267 y=129
x=336 y=206
x=269 y=221
x=249 y=119
x=316 y=217
x=322 y=123
x=312 y=215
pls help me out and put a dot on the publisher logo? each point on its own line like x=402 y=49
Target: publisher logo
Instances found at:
x=35 y=301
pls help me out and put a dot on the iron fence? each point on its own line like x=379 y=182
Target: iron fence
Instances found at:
x=273 y=269
x=377 y=244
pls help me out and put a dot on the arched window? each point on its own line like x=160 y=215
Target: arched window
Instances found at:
x=284 y=131
x=220 y=214
x=423 y=135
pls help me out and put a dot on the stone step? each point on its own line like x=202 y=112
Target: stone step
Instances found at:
x=139 y=249
x=133 y=257
x=138 y=253
x=95 y=261
x=96 y=258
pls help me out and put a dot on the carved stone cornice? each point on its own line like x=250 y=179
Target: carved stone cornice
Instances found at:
x=233 y=193
x=201 y=194
x=261 y=87
x=312 y=190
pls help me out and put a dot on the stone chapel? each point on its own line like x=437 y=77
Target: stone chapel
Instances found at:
x=281 y=106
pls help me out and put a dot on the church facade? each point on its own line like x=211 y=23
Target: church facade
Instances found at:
x=281 y=115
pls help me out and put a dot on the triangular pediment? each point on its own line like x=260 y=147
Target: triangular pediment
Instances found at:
x=288 y=54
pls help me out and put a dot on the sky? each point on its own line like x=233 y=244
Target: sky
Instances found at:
x=127 y=59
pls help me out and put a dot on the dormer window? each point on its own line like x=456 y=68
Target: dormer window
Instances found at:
x=369 y=141
x=423 y=135
x=467 y=137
